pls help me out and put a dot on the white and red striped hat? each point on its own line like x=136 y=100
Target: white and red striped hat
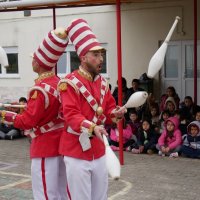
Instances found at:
x=50 y=50
x=82 y=37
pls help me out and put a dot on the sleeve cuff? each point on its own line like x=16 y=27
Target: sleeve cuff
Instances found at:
x=88 y=126
x=8 y=117
x=113 y=117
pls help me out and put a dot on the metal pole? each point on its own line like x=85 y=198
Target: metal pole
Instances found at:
x=119 y=62
x=195 y=51
x=54 y=27
x=33 y=3
x=54 y=18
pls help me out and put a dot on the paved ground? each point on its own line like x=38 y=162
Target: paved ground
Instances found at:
x=143 y=177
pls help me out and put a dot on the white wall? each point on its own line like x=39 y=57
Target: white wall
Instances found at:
x=143 y=26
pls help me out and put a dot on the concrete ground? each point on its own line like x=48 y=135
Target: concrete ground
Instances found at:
x=143 y=177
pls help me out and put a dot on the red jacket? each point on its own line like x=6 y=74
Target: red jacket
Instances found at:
x=36 y=115
x=76 y=109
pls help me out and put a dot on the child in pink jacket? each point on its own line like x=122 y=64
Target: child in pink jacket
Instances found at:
x=127 y=136
x=169 y=143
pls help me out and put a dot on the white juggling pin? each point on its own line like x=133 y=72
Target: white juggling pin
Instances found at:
x=11 y=105
x=136 y=99
x=112 y=162
x=3 y=57
x=157 y=59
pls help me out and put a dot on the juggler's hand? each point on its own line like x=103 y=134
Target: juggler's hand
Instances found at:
x=99 y=131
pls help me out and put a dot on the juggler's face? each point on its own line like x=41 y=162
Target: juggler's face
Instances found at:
x=35 y=65
x=93 y=62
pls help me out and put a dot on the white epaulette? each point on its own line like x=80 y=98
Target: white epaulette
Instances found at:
x=38 y=88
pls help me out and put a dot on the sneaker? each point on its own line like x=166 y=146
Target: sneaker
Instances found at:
x=173 y=155
x=160 y=153
x=114 y=148
x=128 y=149
x=135 y=151
x=149 y=151
x=9 y=137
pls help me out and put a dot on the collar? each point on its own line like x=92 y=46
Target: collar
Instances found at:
x=85 y=74
x=44 y=75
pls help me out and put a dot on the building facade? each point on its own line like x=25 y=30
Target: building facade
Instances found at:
x=143 y=28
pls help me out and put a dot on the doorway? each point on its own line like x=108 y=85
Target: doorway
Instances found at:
x=178 y=70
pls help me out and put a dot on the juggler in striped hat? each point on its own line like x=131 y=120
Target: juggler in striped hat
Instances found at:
x=82 y=37
x=52 y=47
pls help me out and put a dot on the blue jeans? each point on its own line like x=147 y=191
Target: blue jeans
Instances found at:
x=190 y=152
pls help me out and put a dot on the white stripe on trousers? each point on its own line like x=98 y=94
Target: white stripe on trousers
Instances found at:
x=87 y=180
x=49 y=172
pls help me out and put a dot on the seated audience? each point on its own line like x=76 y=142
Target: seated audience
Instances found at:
x=135 y=87
x=191 y=141
x=163 y=117
x=124 y=92
x=169 y=143
x=189 y=107
x=183 y=121
x=150 y=102
x=154 y=116
x=197 y=116
x=22 y=101
x=146 y=139
x=127 y=136
x=170 y=92
x=8 y=132
x=170 y=105
x=134 y=122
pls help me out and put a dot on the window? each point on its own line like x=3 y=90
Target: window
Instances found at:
x=12 y=70
x=173 y=56
x=171 y=62
x=189 y=61
x=69 y=62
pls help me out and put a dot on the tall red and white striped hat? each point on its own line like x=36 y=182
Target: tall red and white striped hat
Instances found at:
x=50 y=50
x=82 y=37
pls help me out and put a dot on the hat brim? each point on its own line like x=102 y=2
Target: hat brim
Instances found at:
x=97 y=48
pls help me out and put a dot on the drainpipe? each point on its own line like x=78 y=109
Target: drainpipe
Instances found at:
x=195 y=51
x=54 y=27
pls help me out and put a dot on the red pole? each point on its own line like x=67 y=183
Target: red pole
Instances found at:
x=119 y=62
x=54 y=27
x=195 y=51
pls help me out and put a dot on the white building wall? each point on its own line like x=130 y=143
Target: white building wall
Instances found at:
x=143 y=26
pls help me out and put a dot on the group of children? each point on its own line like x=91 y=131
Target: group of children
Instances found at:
x=9 y=132
x=163 y=134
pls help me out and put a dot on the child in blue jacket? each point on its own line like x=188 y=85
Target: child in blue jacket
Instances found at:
x=191 y=141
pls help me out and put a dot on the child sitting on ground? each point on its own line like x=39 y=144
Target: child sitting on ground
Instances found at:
x=197 y=116
x=127 y=136
x=134 y=121
x=163 y=117
x=169 y=143
x=146 y=140
x=191 y=141
x=154 y=115
x=183 y=121
x=170 y=105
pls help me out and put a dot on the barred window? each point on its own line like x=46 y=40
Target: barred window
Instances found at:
x=12 y=69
